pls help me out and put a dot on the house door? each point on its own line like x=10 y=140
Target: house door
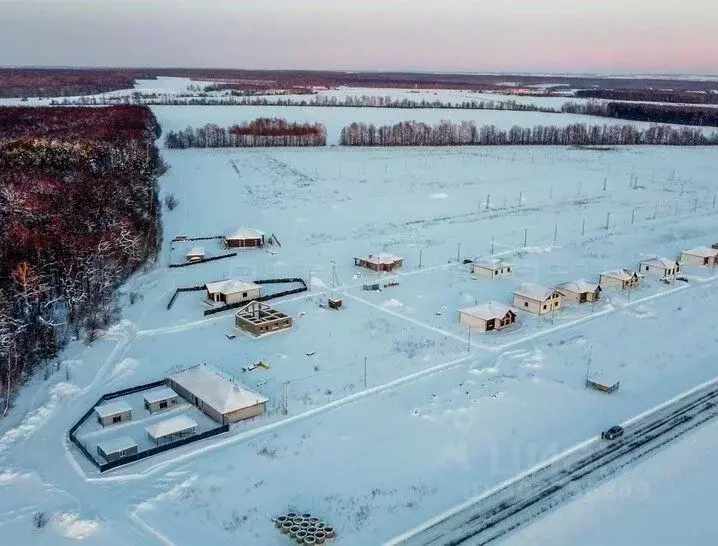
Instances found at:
x=582 y=297
x=490 y=325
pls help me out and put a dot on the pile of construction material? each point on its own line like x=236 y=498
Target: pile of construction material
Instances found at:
x=304 y=528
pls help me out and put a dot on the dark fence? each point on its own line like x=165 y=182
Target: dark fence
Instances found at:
x=197 y=262
x=180 y=239
x=268 y=297
x=187 y=289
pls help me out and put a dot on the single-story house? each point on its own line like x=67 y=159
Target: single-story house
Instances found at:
x=487 y=317
x=217 y=395
x=700 y=256
x=230 y=291
x=195 y=254
x=172 y=429
x=117 y=448
x=380 y=262
x=258 y=319
x=580 y=291
x=160 y=399
x=619 y=278
x=493 y=270
x=659 y=267
x=113 y=412
x=245 y=237
x=537 y=299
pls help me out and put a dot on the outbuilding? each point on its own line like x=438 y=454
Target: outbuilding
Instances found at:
x=172 y=429
x=625 y=279
x=160 y=399
x=380 y=262
x=113 y=412
x=660 y=267
x=700 y=256
x=231 y=291
x=580 y=291
x=195 y=254
x=217 y=395
x=487 y=317
x=259 y=319
x=117 y=448
x=537 y=299
x=492 y=270
x=245 y=237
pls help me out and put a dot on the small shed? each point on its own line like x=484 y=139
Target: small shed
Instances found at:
x=537 y=299
x=259 y=319
x=195 y=254
x=113 y=412
x=217 y=395
x=625 y=279
x=160 y=399
x=660 y=267
x=245 y=237
x=487 y=317
x=172 y=429
x=493 y=270
x=602 y=385
x=230 y=291
x=580 y=291
x=380 y=262
x=700 y=256
x=117 y=448
x=335 y=303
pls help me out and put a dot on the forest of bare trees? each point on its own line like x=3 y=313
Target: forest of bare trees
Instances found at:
x=261 y=132
x=704 y=116
x=446 y=133
x=79 y=213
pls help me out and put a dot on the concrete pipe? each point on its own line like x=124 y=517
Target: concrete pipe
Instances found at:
x=279 y=520
x=286 y=526
x=305 y=525
x=320 y=536
x=329 y=531
x=291 y=515
x=310 y=541
x=293 y=530
x=306 y=515
x=314 y=520
x=320 y=525
x=311 y=529
x=301 y=535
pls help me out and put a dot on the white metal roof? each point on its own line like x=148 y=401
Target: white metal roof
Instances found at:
x=173 y=425
x=112 y=407
x=620 y=274
x=216 y=390
x=534 y=292
x=230 y=286
x=117 y=444
x=382 y=258
x=487 y=311
x=245 y=233
x=196 y=251
x=157 y=395
x=580 y=286
x=703 y=252
x=659 y=261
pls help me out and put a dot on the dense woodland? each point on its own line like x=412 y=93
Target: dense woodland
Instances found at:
x=79 y=213
x=652 y=113
x=651 y=95
x=63 y=82
x=413 y=133
x=263 y=132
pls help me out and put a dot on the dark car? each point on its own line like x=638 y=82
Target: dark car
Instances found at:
x=612 y=433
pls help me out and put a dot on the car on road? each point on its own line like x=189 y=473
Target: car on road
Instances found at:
x=612 y=433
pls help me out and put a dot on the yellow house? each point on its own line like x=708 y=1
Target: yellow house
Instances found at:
x=700 y=256
x=492 y=270
x=537 y=299
x=487 y=317
x=619 y=278
x=659 y=267
x=580 y=291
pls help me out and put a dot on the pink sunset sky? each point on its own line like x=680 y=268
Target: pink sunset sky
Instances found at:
x=615 y=36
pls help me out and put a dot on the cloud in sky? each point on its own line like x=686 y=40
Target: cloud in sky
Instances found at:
x=461 y=35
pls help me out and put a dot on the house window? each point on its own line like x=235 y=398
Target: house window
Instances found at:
x=496 y=273
x=526 y=304
x=646 y=268
x=116 y=418
x=163 y=404
x=544 y=307
x=508 y=270
x=244 y=294
x=173 y=401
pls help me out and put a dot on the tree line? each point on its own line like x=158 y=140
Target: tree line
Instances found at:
x=79 y=213
x=651 y=95
x=262 y=132
x=652 y=113
x=466 y=133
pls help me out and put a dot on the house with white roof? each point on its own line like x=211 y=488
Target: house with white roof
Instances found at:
x=230 y=291
x=172 y=429
x=494 y=269
x=537 y=299
x=700 y=256
x=383 y=261
x=160 y=399
x=217 y=395
x=245 y=237
x=113 y=412
x=117 y=448
x=659 y=267
x=580 y=291
x=487 y=317
x=622 y=278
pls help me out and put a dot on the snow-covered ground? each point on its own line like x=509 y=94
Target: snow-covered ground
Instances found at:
x=665 y=500
x=430 y=418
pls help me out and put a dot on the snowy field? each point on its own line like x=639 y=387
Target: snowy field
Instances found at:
x=394 y=414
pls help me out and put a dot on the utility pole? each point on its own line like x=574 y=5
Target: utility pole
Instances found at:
x=714 y=200
x=633 y=216
x=492 y=245
x=695 y=205
x=458 y=252
x=588 y=365
x=655 y=211
x=521 y=197
x=365 y=372
x=608 y=221
x=526 y=233
x=583 y=228
x=605 y=181
x=468 y=344
x=285 y=397
x=555 y=232
x=488 y=197
x=421 y=251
